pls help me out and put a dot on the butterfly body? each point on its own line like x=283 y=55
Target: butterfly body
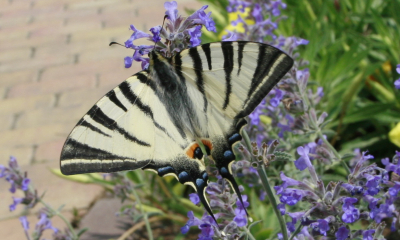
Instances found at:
x=156 y=119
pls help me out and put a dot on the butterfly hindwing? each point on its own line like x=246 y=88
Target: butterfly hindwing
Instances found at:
x=231 y=79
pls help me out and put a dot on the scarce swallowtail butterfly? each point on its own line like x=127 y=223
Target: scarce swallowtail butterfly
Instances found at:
x=156 y=118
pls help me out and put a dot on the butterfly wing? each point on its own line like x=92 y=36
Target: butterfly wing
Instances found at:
x=228 y=80
x=105 y=139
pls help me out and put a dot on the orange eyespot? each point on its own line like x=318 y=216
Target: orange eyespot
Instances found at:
x=194 y=150
x=190 y=151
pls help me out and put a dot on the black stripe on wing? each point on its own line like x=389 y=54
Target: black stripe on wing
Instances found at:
x=227 y=50
x=133 y=99
x=84 y=123
x=99 y=116
x=207 y=52
x=113 y=98
x=268 y=57
x=77 y=150
x=103 y=161
x=240 y=55
x=143 y=78
x=198 y=69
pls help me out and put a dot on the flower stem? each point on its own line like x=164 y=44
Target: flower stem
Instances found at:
x=264 y=180
x=249 y=235
x=146 y=220
x=298 y=229
x=57 y=213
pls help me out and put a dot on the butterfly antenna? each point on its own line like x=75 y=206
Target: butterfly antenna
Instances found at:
x=112 y=43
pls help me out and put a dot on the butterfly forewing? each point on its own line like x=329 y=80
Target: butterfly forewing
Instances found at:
x=106 y=139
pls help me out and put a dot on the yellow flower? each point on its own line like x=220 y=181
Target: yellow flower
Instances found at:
x=233 y=16
x=394 y=135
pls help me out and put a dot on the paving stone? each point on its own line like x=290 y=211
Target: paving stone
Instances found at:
x=33 y=136
x=49 y=151
x=74 y=98
x=102 y=221
x=57 y=84
x=7 y=122
x=49 y=116
x=15 y=105
x=16 y=77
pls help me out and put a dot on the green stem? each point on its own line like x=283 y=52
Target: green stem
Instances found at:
x=264 y=180
x=298 y=229
x=57 y=213
x=146 y=220
x=249 y=235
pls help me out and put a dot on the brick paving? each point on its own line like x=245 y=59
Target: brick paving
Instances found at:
x=55 y=63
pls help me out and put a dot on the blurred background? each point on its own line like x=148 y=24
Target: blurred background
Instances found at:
x=55 y=63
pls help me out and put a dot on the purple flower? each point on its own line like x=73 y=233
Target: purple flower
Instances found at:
x=287 y=182
x=200 y=17
x=2 y=171
x=135 y=35
x=393 y=191
x=15 y=203
x=372 y=202
x=367 y=234
x=257 y=13
x=304 y=161
x=373 y=184
x=390 y=167
x=191 y=222
x=195 y=34
x=207 y=232
x=351 y=215
x=348 y=203
x=24 y=222
x=156 y=33
x=282 y=208
x=397 y=82
x=291 y=196
x=275 y=7
x=128 y=62
x=25 y=184
x=342 y=233
x=353 y=190
x=240 y=212
x=43 y=224
x=277 y=99
x=385 y=210
x=172 y=12
x=393 y=225
x=240 y=217
x=321 y=226
x=194 y=198
x=296 y=216
x=12 y=163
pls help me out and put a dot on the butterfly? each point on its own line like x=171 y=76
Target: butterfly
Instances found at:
x=159 y=118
